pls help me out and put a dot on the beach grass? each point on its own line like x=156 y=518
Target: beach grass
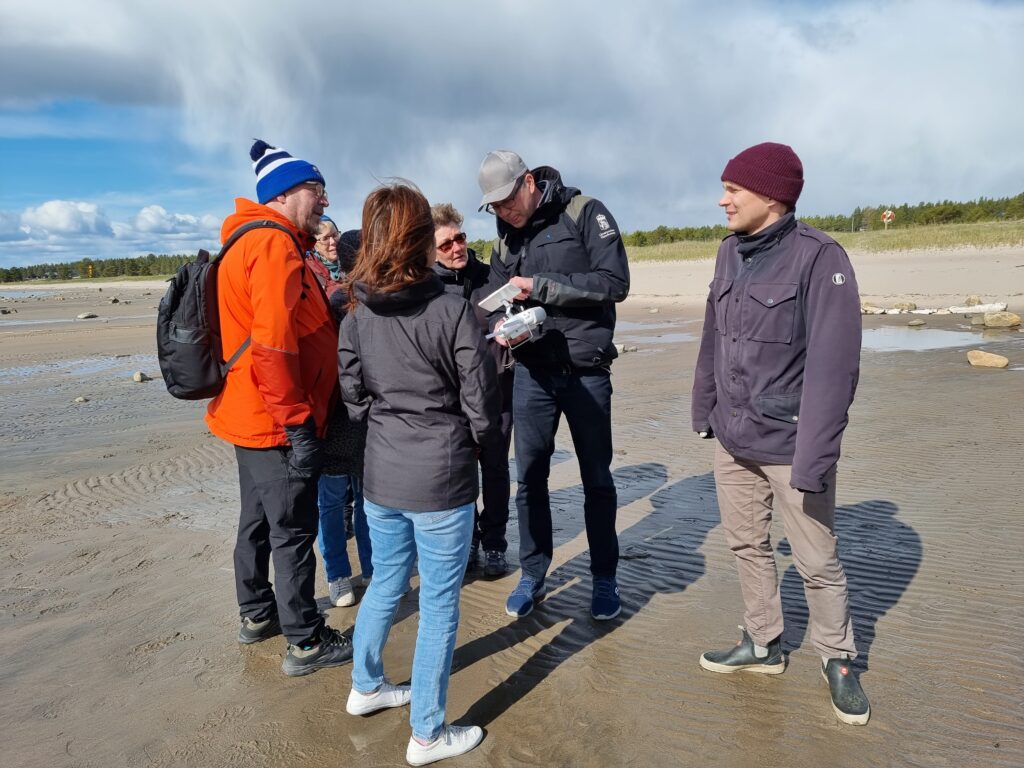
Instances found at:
x=990 y=234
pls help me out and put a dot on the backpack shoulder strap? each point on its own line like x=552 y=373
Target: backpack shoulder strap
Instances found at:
x=575 y=207
x=248 y=227
x=572 y=210
x=260 y=224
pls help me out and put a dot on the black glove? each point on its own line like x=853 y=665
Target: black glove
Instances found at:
x=307 y=454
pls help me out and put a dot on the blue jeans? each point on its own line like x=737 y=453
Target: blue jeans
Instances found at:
x=441 y=541
x=333 y=494
x=539 y=399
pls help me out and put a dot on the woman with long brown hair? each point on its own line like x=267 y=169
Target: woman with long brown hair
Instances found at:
x=413 y=363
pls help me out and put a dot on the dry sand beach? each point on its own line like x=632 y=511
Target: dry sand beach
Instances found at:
x=117 y=607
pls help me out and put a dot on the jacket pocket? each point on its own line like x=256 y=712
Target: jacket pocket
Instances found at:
x=780 y=407
x=720 y=290
x=772 y=313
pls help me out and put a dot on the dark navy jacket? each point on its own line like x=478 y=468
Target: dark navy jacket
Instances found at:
x=579 y=272
x=780 y=352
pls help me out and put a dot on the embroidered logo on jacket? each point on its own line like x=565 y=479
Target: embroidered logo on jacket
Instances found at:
x=602 y=222
x=838 y=278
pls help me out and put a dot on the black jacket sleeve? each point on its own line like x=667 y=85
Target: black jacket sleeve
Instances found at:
x=478 y=379
x=350 y=370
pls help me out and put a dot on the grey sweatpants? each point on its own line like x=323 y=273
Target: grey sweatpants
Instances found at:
x=748 y=493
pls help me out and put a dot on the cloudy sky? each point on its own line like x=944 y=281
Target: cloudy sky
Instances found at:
x=125 y=126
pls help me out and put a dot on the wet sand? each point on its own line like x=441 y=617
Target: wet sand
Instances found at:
x=119 y=620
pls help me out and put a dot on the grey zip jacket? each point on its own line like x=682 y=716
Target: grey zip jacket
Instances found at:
x=414 y=364
x=779 y=356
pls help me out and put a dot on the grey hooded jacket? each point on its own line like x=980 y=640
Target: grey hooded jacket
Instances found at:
x=413 y=363
x=779 y=356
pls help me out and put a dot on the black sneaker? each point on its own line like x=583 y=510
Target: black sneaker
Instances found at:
x=741 y=658
x=495 y=563
x=849 y=702
x=333 y=650
x=256 y=631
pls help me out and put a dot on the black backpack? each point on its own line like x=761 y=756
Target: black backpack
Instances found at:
x=188 y=342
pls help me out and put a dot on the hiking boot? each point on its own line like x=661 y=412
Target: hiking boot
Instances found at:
x=849 y=702
x=453 y=740
x=256 y=631
x=604 y=602
x=741 y=658
x=474 y=556
x=385 y=697
x=341 y=592
x=520 y=603
x=495 y=563
x=331 y=650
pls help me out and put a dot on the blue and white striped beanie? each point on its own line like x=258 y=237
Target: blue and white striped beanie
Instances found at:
x=277 y=171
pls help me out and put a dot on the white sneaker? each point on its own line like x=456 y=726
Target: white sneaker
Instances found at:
x=341 y=592
x=454 y=740
x=385 y=697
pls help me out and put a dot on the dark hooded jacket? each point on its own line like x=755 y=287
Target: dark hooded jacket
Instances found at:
x=472 y=283
x=780 y=353
x=579 y=272
x=413 y=363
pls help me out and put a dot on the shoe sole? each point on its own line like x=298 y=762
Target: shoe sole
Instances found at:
x=438 y=758
x=536 y=599
x=344 y=602
x=607 y=617
x=726 y=669
x=846 y=717
x=276 y=632
x=377 y=708
x=311 y=668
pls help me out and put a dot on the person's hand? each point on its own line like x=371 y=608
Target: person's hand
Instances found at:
x=306 y=456
x=518 y=339
x=525 y=286
x=706 y=434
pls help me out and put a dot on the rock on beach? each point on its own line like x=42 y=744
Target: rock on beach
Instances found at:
x=1001 y=320
x=980 y=359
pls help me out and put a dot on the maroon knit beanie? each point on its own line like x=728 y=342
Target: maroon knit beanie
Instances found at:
x=770 y=169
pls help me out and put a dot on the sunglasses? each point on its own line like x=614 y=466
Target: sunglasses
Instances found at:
x=447 y=245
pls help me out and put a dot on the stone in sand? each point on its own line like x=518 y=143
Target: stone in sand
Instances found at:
x=977 y=319
x=867 y=308
x=81 y=399
x=654 y=310
x=140 y=377
x=980 y=359
x=115 y=300
x=972 y=301
x=916 y=323
x=1001 y=320
x=906 y=306
x=86 y=316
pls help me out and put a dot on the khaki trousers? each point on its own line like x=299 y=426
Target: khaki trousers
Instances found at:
x=748 y=493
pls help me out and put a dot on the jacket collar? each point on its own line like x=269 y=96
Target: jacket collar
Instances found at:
x=409 y=297
x=751 y=245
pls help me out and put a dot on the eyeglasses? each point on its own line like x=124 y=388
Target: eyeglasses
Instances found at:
x=316 y=188
x=507 y=202
x=328 y=238
x=447 y=245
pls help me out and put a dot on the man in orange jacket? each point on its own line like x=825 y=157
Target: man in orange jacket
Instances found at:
x=274 y=406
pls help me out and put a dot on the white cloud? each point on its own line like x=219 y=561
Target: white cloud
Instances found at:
x=640 y=104
x=155 y=220
x=66 y=217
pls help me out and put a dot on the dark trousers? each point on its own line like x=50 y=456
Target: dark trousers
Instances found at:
x=489 y=524
x=278 y=519
x=539 y=400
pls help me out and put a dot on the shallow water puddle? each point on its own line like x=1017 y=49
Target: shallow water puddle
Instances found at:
x=894 y=339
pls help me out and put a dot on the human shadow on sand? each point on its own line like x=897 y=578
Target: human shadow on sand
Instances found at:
x=658 y=555
x=881 y=556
